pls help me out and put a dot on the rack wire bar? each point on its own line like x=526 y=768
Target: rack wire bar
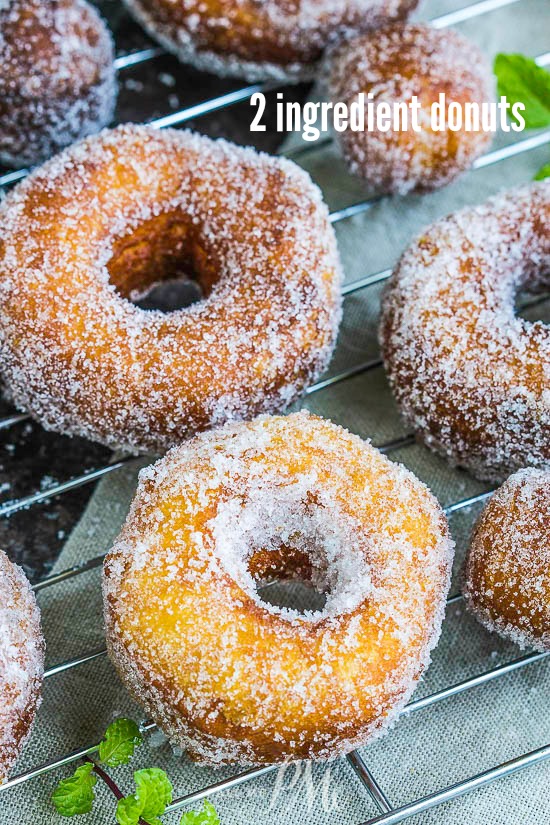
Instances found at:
x=461 y=687
x=214 y=104
x=11 y=507
x=360 y=767
x=460 y=788
x=506 y=152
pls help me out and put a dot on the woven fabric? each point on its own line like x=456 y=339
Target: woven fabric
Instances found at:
x=426 y=750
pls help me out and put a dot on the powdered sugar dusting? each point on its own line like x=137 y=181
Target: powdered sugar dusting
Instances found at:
x=21 y=661
x=508 y=569
x=57 y=77
x=81 y=232
x=232 y=678
x=268 y=40
x=399 y=62
x=471 y=377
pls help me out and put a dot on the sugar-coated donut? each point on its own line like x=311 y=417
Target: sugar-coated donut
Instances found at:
x=470 y=376
x=232 y=678
x=57 y=78
x=21 y=662
x=508 y=568
x=112 y=216
x=257 y=40
x=395 y=64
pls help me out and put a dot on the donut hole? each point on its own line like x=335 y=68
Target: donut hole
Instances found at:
x=292 y=552
x=534 y=305
x=162 y=264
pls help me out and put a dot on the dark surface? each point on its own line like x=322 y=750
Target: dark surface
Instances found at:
x=30 y=458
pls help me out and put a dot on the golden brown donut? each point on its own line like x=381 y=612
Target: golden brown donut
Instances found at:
x=280 y=39
x=508 y=568
x=111 y=217
x=395 y=64
x=57 y=78
x=233 y=678
x=470 y=376
x=21 y=662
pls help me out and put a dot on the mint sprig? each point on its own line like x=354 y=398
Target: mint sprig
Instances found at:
x=120 y=740
x=521 y=80
x=207 y=816
x=75 y=795
x=153 y=794
x=543 y=173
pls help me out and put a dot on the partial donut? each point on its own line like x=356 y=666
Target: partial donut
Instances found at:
x=470 y=376
x=397 y=63
x=111 y=217
x=57 y=77
x=21 y=662
x=508 y=568
x=258 y=40
x=233 y=678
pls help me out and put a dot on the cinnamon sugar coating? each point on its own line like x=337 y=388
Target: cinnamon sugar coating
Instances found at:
x=21 y=662
x=57 y=77
x=278 y=39
x=395 y=64
x=470 y=376
x=507 y=582
x=114 y=215
x=232 y=678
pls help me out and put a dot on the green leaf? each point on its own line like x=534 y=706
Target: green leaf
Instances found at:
x=75 y=794
x=520 y=80
x=153 y=794
x=119 y=742
x=207 y=816
x=543 y=173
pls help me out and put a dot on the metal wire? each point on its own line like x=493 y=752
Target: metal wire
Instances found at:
x=388 y=815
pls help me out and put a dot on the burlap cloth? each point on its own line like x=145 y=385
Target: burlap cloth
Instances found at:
x=426 y=750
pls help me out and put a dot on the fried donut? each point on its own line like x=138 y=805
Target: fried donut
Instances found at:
x=272 y=39
x=57 y=78
x=507 y=583
x=118 y=213
x=399 y=62
x=21 y=662
x=232 y=678
x=469 y=376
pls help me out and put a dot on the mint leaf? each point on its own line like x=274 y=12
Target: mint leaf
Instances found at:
x=207 y=816
x=153 y=794
x=119 y=742
x=543 y=173
x=75 y=794
x=128 y=811
x=520 y=80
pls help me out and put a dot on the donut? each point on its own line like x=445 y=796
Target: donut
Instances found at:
x=229 y=676
x=21 y=662
x=273 y=39
x=399 y=62
x=507 y=582
x=57 y=77
x=101 y=224
x=470 y=376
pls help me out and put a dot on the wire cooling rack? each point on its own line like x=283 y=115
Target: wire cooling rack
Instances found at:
x=387 y=814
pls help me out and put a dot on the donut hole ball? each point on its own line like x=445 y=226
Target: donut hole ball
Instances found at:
x=57 y=77
x=508 y=568
x=393 y=65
